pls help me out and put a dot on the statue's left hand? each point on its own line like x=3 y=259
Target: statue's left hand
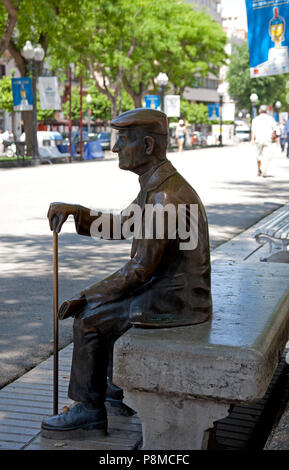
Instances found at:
x=58 y=213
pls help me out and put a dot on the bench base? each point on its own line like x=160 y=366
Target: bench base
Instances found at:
x=173 y=422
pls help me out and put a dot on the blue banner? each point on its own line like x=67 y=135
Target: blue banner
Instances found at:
x=152 y=101
x=22 y=94
x=268 y=36
x=214 y=110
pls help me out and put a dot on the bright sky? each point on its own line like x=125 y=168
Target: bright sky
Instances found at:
x=233 y=7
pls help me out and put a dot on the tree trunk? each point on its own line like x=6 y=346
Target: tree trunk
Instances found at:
x=27 y=117
x=113 y=115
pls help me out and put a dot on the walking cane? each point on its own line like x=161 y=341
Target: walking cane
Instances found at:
x=55 y=322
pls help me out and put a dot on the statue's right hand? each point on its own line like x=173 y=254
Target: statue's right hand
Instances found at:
x=58 y=213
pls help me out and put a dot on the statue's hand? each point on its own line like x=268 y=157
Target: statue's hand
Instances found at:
x=71 y=307
x=58 y=213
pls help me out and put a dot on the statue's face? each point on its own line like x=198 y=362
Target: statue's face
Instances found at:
x=131 y=150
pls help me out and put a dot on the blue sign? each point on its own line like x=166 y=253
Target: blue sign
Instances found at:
x=152 y=101
x=22 y=94
x=268 y=36
x=214 y=110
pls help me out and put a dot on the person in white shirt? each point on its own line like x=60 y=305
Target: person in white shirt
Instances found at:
x=264 y=130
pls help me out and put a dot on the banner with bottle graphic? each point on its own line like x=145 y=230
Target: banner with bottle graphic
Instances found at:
x=268 y=36
x=22 y=94
x=48 y=93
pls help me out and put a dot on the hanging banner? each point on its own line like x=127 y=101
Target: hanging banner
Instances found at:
x=48 y=93
x=22 y=94
x=172 y=104
x=213 y=110
x=228 y=112
x=268 y=36
x=152 y=101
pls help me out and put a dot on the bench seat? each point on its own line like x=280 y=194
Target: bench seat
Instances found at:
x=275 y=230
x=180 y=380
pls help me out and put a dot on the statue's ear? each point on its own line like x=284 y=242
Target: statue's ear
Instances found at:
x=149 y=144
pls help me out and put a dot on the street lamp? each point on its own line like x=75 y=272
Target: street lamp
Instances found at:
x=162 y=81
x=33 y=57
x=221 y=93
x=254 y=98
x=88 y=100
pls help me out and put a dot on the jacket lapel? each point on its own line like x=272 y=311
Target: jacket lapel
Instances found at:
x=148 y=182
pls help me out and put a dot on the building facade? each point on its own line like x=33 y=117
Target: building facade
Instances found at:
x=206 y=89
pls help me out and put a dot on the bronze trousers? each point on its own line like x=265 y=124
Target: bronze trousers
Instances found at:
x=94 y=334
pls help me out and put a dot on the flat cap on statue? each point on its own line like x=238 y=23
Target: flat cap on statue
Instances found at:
x=151 y=119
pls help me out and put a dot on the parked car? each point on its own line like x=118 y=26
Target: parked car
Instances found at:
x=104 y=139
x=48 y=146
x=243 y=133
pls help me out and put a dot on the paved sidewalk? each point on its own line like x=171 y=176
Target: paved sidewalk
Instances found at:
x=24 y=402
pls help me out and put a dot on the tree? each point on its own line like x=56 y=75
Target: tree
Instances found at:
x=100 y=104
x=126 y=44
x=6 y=98
x=183 y=42
x=36 y=21
x=119 y=43
x=8 y=20
x=194 y=113
x=269 y=89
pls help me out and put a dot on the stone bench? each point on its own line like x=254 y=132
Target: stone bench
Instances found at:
x=275 y=230
x=181 y=380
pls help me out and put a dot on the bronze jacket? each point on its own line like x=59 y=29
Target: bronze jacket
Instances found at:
x=165 y=285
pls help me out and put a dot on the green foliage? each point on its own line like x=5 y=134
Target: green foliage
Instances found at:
x=241 y=86
x=6 y=98
x=120 y=44
x=129 y=43
x=194 y=113
x=43 y=114
x=100 y=105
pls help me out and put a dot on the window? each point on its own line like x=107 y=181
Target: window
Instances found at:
x=205 y=83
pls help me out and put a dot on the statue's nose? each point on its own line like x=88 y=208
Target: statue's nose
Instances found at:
x=115 y=148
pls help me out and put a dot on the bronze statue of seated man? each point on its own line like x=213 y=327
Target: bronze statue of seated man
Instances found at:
x=165 y=283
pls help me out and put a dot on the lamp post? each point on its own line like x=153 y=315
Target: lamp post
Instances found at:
x=162 y=81
x=88 y=100
x=33 y=57
x=278 y=105
x=221 y=93
x=254 y=98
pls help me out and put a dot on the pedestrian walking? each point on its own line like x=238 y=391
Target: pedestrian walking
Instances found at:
x=181 y=134
x=283 y=135
x=286 y=131
x=264 y=133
